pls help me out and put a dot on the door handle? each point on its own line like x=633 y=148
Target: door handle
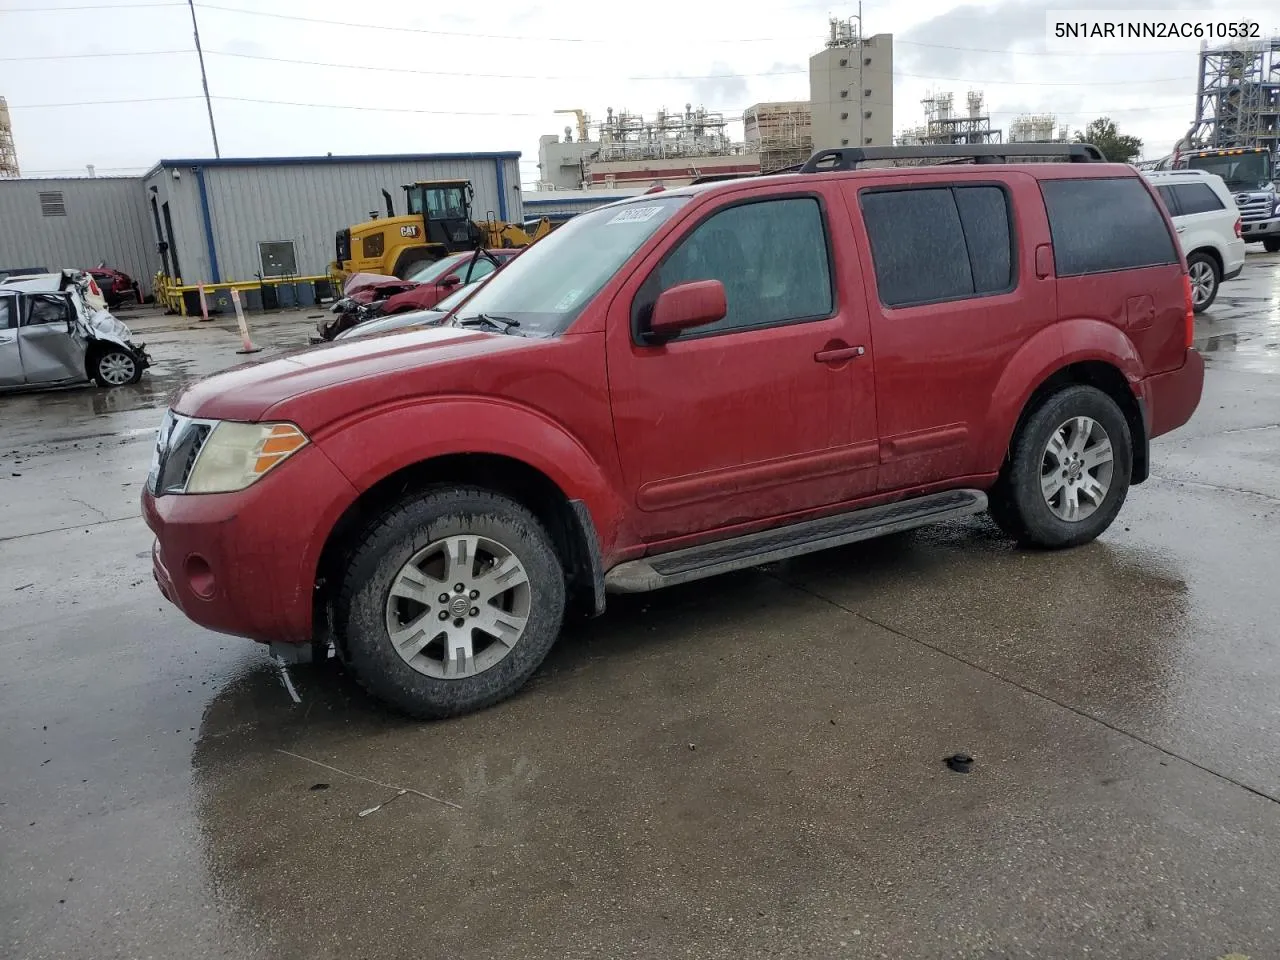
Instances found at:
x=837 y=354
x=1180 y=229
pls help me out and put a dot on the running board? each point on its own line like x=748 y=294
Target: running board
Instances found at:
x=780 y=543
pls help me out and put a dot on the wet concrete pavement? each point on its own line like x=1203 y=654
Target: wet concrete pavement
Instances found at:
x=750 y=766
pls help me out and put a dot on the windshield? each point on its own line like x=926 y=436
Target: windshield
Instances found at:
x=459 y=295
x=1243 y=171
x=436 y=269
x=549 y=284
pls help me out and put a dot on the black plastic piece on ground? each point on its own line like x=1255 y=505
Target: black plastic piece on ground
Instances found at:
x=959 y=762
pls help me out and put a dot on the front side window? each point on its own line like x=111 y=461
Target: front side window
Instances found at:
x=44 y=309
x=1102 y=225
x=550 y=283
x=7 y=320
x=931 y=244
x=445 y=203
x=771 y=256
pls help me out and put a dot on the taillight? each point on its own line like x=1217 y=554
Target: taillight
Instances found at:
x=1238 y=233
x=1191 y=310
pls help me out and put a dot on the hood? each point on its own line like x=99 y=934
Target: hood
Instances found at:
x=247 y=392
x=105 y=326
x=367 y=281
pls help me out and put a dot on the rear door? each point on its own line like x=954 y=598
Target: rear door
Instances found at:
x=50 y=351
x=752 y=417
x=10 y=352
x=952 y=294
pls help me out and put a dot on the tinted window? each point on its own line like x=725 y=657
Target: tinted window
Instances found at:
x=1104 y=225
x=1197 y=198
x=1166 y=195
x=939 y=243
x=771 y=257
x=48 y=310
x=6 y=315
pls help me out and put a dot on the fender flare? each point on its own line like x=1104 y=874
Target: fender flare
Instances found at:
x=1052 y=349
x=451 y=425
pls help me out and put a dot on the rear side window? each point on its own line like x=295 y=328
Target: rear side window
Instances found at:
x=1196 y=198
x=1100 y=226
x=939 y=243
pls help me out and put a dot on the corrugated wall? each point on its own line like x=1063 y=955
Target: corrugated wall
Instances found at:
x=106 y=219
x=308 y=203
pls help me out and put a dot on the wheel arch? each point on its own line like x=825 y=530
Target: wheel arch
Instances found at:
x=1213 y=254
x=1081 y=351
x=567 y=521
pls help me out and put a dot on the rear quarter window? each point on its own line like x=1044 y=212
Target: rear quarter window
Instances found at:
x=1196 y=198
x=1104 y=225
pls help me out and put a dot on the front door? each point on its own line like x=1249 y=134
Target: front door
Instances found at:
x=50 y=351
x=956 y=294
x=10 y=352
x=767 y=412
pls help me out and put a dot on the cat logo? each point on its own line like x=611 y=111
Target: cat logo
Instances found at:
x=410 y=231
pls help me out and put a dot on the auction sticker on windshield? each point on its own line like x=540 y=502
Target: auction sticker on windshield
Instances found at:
x=636 y=215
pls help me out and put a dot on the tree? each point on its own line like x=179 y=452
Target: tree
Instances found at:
x=1116 y=147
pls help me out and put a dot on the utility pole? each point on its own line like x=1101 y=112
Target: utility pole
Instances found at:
x=204 y=79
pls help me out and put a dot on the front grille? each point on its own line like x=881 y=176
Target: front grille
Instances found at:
x=177 y=447
x=1255 y=208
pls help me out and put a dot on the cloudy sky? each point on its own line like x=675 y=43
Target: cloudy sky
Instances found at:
x=390 y=76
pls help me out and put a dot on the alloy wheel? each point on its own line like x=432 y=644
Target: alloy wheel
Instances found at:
x=1076 y=469
x=458 y=607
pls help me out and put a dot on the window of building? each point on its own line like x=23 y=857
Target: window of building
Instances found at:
x=1196 y=198
x=771 y=256
x=939 y=243
x=1099 y=226
x=278 y=258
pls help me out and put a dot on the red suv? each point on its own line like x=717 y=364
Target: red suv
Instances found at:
x=682 y=384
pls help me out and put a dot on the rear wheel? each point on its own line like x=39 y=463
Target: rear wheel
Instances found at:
x=115 y=367
x=1068 y=472
x=1205 y=278
x=450 y=602
x=1271 y=244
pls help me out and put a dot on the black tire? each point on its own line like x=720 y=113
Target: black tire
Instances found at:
x=1271 y=244
x=389 y=544
x=412 y=259
x=107 y=363
x=1017 y=503
x=1200 y=262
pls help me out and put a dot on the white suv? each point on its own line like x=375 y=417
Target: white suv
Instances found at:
x=1208 y=224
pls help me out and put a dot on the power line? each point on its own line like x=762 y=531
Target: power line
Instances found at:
x=86 y=56
x=96 y=6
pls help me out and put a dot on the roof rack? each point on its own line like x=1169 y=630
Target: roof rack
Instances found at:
x=848 y=158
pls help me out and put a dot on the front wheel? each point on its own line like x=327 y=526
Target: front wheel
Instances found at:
x=1205 y=278
x=450 y=602
x=1271 y=244
x=1068 y=471
x=115 y=367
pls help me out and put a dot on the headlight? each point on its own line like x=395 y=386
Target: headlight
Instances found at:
x=234 y=455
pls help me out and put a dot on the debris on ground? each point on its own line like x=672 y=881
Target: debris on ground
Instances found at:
x=958 y=762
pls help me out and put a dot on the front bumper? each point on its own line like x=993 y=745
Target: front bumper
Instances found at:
x=1252 y=230
x=245 y=563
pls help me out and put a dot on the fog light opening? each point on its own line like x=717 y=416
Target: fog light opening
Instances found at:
x=200 y=577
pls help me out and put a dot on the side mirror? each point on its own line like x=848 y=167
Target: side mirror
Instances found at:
x=687 y=305
x=450 y=281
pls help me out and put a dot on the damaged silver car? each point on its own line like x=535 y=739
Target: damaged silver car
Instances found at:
x=55 y=329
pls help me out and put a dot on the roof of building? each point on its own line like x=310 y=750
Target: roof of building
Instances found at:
x=329 y=158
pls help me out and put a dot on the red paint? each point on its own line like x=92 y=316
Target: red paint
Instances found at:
x=678 y=441
x=687 y=306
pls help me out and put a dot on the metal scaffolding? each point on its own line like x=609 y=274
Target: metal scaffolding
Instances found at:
x=782 y=133
x=8 y=153
x=1238 y=97
x=944 y=125
x=693 y=133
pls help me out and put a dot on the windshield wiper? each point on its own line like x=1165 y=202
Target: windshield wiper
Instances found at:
x=501 y=324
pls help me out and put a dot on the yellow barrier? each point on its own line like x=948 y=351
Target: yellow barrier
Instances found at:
x=169 y=290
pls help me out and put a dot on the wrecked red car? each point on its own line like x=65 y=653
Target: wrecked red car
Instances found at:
x=369 y=295
x=117 y=286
